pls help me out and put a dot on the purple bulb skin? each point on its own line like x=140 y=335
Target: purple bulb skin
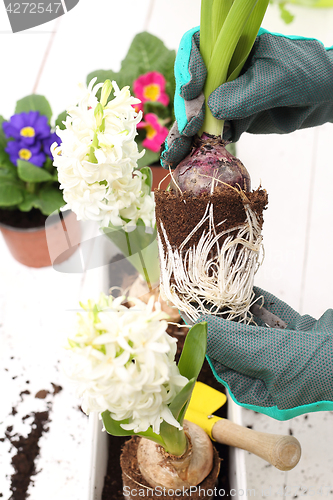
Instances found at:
x=209 y=162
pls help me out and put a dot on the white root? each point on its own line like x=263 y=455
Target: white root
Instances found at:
x=215 y=276
x=161 y=469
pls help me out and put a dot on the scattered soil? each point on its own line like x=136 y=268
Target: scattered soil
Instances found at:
x=180 y=215
x=27 y=447
x=27 y=451
x=23 y=220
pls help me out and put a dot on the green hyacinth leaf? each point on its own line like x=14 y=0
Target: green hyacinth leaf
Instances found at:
x=180 y=402
x=114 y=428
x=194 y=351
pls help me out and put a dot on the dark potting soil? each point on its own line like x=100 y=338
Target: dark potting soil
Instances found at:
x=22 y=220
x=27 y=447
x=181 y=214
x=113 y=486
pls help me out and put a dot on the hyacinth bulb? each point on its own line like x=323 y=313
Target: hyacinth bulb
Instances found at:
x=207 y=167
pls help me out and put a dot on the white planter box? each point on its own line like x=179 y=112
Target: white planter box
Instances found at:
x=98 y=439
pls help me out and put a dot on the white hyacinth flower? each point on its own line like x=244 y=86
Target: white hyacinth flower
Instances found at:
x=97 y=160
x=123 y=360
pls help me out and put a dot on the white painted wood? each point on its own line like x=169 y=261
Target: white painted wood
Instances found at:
x=282 y=165
x=22 y=55
x=93 y=35
x=171 y=19
x=317 y=291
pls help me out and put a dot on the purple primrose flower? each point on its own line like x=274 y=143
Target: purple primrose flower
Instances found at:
x=47 y=143
x=19 y=150
x=27 y=127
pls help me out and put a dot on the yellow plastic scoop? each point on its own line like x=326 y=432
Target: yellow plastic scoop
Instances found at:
x=281 y=451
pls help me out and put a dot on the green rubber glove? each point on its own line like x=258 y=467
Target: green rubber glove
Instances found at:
x=286 y=85
x=282 y=373
x=190 y=76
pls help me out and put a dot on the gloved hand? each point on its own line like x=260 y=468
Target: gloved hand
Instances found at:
x=282 y=373
x=286 y=84
x=190 y=75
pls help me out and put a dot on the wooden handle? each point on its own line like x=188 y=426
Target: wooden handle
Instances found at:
x=281 y=451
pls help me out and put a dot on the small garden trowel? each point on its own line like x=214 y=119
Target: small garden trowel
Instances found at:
x=281 y=451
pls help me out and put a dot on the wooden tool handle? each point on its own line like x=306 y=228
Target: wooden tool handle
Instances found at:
x=281 y=451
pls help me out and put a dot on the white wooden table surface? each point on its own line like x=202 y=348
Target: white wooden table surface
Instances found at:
x=296 y=170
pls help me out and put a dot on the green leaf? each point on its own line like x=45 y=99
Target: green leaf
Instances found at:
x=34 y=102
x=3 y=138
x=147 y=53
x=50 y=199
x=114 y=428
x=247 y=39
x=30 y=173
x=60 y=119
x=174 y=439
x=47 y=200
x=11 y=192
x=102 y=75
x=149 y=177
x=29 y=202
x=286 y=16
x=133 y=242
x=194 y=351
x=157 y=108
x=7 y=169
x=179 y=403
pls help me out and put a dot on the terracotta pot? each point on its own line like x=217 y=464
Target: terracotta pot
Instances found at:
x=44 y=246
x=159 y=173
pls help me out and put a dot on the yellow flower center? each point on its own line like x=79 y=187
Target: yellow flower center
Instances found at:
x=27 y=132
x=151 y=132
x=25 y=154
x=151 y=92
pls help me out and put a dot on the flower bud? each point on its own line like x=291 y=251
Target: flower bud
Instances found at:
x=99 y=114
x=106 y=91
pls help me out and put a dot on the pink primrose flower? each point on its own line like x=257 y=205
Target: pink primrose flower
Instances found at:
x=156 y=133
x=151 y=87
x=138 y=107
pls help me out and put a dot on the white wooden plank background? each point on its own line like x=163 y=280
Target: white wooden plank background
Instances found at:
x=296 y=170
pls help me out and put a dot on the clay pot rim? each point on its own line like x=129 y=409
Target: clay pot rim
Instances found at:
x=52 y=218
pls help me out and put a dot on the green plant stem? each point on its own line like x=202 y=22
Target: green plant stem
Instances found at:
x=145 y=272
x=206 y=34
x=234 y=27
x=30 y=187
x=175 y=439
x=143 y=265
x=219 y=14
